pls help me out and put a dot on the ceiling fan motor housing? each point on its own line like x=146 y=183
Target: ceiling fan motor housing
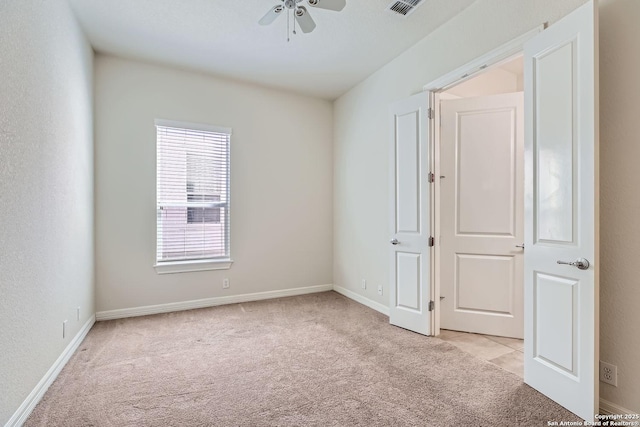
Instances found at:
x=301 y=16
x=290 y=4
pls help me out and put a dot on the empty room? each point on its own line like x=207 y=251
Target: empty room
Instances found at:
x=319 y=213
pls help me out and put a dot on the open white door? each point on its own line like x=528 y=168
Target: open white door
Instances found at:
x=481 y=214
x=410 y=288
x=561 y=212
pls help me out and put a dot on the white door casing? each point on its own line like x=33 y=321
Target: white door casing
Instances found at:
x=410 y=290
x=481 y=214
x=561 y=211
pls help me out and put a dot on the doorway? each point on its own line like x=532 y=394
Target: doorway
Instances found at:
x=560 y=206
x=481 y=229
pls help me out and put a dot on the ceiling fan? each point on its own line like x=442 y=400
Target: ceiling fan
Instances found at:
x=300 y=13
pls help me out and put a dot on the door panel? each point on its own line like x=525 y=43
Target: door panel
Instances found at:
x=484 y=181
x=408 y=273
x=554 y=318
x=410 y=289
x=481 y=216
x=497 y=270
x=561 y=212
x=408 y=173
x=554 y=76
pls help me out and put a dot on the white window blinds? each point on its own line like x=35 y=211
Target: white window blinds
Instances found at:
x=192 y=192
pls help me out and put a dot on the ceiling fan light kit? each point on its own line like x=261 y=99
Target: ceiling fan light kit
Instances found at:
x=300 y=13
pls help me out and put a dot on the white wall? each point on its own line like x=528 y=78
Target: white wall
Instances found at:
x=620 y=198
x=281 y=183
x=46 y=190
x=361 y=222
x=492 y=82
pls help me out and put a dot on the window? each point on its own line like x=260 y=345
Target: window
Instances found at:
x=192 y=197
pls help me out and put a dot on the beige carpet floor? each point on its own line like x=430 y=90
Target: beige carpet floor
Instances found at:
x=314 y=360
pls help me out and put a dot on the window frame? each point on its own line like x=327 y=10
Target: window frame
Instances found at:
x=202 y=264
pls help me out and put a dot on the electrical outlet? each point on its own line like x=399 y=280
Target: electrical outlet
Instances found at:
x=225 y=283
x=379 y=289
x=364 y=284
x=609 y=373
x=64 y=329
x=78 y=314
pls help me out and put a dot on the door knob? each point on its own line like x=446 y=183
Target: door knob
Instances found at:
x=520 y=246
x=581 y=263
x=394 y=241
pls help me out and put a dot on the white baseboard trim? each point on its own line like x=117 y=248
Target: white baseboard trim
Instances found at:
x=362 y=300
x=23 y=412
x=609 y=408
x=207 y=302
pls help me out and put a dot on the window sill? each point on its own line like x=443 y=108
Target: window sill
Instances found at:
x=189 y=266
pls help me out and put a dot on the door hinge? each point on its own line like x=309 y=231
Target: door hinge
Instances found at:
x=431 y=177
x=432 y=306
x=430 y=113
x=432 y=241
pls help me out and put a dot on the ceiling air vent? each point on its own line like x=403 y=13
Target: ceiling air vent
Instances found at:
x=403 y=7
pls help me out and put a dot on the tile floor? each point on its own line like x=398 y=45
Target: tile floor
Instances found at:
x=501 y=351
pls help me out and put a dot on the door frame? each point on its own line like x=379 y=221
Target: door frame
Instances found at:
x=497 y=56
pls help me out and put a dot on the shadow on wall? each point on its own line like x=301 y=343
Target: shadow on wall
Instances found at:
x=620 y=197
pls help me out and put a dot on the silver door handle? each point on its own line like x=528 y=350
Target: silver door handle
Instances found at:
x=520 y=246
x=581 y=263
x=394 y=241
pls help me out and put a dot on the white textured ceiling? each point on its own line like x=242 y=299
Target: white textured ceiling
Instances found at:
x=223 y=37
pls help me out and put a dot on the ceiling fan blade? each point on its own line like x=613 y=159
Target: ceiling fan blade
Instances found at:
x=271 y=15
x=304 y=20
x=336 y=5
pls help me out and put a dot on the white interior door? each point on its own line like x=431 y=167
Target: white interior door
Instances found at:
x=561 y=211
x=482 y=215
x=410 y=261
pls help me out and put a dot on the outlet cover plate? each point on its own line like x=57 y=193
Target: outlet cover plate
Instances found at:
x=609 y=373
